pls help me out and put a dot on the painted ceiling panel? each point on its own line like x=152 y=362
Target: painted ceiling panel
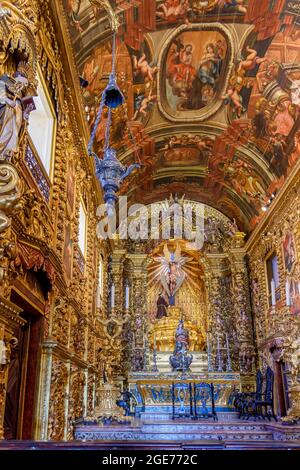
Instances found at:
x=212 y=94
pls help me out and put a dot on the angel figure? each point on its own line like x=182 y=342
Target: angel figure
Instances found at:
x=171 y=273
x=141 y=66
x=143 y=105
x=251 y=61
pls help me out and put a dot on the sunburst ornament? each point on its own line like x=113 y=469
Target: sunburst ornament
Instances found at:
x=170 y=271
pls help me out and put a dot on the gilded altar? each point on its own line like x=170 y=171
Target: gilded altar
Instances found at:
x=153 y=392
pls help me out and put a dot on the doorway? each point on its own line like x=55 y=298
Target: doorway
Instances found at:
x=23 y=379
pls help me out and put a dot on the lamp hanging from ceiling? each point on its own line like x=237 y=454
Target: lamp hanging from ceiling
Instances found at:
x=109 y=170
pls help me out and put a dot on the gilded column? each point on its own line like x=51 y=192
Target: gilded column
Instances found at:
x=215 y=320
x=139 y=322
x=243 y=313
x=117 y=279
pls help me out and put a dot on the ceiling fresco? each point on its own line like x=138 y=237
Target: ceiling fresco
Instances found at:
x=212 y=94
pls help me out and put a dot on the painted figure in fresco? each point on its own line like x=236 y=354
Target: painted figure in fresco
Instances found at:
x=233 y=97
x=162 y=306
x=141 y=66
x=171 y=10
x=14 y=109
x=295 y=92
x=73 y=8
x=210 y=66
x=251 y=61
x=181 y=72
x=266 y=74
x=143 y=104
x=239 y=4
x=295 y=296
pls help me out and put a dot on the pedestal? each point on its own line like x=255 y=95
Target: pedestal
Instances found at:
x=108 y=394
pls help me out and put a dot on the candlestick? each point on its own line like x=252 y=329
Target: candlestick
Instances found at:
x=220 y=366
x=229 y=369
x=112 y=296
x=154 y=368
x=127 y=293
x=209 y=366
x=287 y=293
x=273 y=293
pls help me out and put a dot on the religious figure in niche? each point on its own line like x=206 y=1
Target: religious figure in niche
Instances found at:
x=162 y=305
x=15 y=107
x=171 y=10
x=210 y=65
x=239 y=80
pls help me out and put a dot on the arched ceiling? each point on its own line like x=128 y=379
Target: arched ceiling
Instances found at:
x=212 y=96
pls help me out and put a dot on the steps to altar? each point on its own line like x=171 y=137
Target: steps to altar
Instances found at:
x=190 y=431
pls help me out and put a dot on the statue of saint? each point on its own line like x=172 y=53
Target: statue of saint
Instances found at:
x=180 y=359
x=162 y=305
x=181 y=338
x=14 y=109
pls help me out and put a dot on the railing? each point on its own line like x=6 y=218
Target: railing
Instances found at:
x=36 y=168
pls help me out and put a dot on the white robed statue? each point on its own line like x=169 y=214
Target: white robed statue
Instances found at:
x=14 y=109
x=171 y=271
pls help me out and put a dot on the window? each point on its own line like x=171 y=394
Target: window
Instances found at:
x=273 y=278
x=82 y=229
x=41 y=125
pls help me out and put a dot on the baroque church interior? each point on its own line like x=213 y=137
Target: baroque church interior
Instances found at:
x=150 y=221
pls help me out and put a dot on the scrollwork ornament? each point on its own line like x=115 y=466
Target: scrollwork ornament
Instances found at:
x=10 y=194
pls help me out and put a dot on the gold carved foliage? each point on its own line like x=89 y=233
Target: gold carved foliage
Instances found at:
x=77 y=334
x=34 y=216
x=61 y=321
x=91 y=389
x=18 y=22
x=77 y=383
x=58 y=390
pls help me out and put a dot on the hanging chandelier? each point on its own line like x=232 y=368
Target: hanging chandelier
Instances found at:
x=109 y=170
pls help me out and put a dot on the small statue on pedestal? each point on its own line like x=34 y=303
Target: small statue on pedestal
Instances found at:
x=180 y=360
x=15 y=107
x=162 y=305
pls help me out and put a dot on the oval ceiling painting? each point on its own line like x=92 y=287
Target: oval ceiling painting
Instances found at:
x=194 y=71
